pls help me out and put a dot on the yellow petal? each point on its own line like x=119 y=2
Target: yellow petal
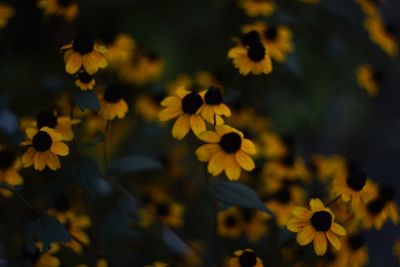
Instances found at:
x=30 y=133
x=90 y=63
x=197 y=124
x=320 y=243
x=232 y=168
x=53 y=162
x=216 y=163
x=244 y=161
x=302 y=212
x=169 y=113
x=59 y=148
x=205 y=152
x=248 y=146
x=27 y=158
x=40 y=161
x=296 y=224
x=12 y=177
x=333 y=239
x=181 y=127
x=306 y=235
x=209 y=137
x=74 y=63
x=316 y=204
x=171 y=101
x=337 y=229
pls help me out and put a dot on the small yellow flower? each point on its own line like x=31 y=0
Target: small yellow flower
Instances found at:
x=370 y=7
x=255 y=226
x=85 y=81
x=318 y=225
x=112 y=105
x=186 y=106
x=250 y=55
x=147 y=107
x=381 y=34
x=47 y=259
x=65 y=8
x=228 y=150
x=230 y=222
x=6 y=12
x=214 y=107
x=45 y=145
x=369 y=79
x=171 y=214
x=76 y=226
x=254 y=8
x=354 y=252
x=60 y=124
x=120 y=50
x=83 y=52
x=9 y=166
x=245 y=258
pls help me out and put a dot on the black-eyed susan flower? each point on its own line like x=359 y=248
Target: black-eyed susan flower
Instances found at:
x=76 y=224
x=382 y=34
x=169 y=212
x=112 y=105
x=353 y=187
x=369 y=78
x=148 y=107
x=65 y=8
x=329 y=167
x=255 y=226
x=318 y=225
x=9 y=166
x=85 y=81
x=271 y=146
x=227 y=150
x=45 y=145
x=60 y=124
x=45 y=259
x=214 y=106
x=186 y=107
x=254 y=8
x=121 y=49
x=99 y=263
x=354 y=252
x=370 y=7
x=245 y=258
x=61 y=209
x=276 y=39
x=250 y=55
x=6 y=12
x=230 y=222
x=82 y=52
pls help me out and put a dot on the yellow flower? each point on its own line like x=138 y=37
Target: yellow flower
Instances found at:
x=47 y=259
x=230 y=222
x=318 y=225
x=83 y=52
x=381 y=34
x=370 y=7
x=76 y=226
x=214 y=107
x=271 y=145
x=289 y=167
x=85 y=81
x=228 y=150
x=276 y=39
x=112 y=105
x=369 y=79
x=255 y=226
x=6 y=12
x=147 y=107
x=60 y=124
x=66 y=8
x=120 y=50
x=354 y=252
x=329 y=167
x=250 y=55
x=245 y=258
x=186 y=106
x=353 y=187
x=254 y=8
x=9 y=166
x=45 y=145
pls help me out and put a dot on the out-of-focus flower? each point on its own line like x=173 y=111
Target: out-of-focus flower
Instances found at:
x=65 y=8
x=112 y=104
x=60 y=124
x=245 y=258
x=45 y=259
x=169 y=212
x=271 y=146
x=329 y=167
x=354 y=252
x=83 y=52
x=226 y=149
x=250 y=55
x=370 y=7
x=186 y=106
x=289 y=167
x=9 y=167
x=316 y=224
x=382 y=34
x=254 y=8
x=45 y=145
x=369 y=79
x=230 y=222
x=6 y=12
x=276 y=39
x=99 y=263
x=255 y=226
x=147 y=107
x=200 y=80
x=85 y=81
x=214 y=107
x=120 y=50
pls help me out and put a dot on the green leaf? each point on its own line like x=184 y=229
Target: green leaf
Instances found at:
x=235 y=193
x=85 y=99
x=85 y=172
x=134 y=164
x=174 y=242
x=46 y=229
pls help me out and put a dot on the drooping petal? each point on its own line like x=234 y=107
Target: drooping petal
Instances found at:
x=74 y=63
x=171 y=101
x=337 y=229
x=244 y=161
x=333 y=239
x=209 y=137
x=59 y=148
x=30 y=133
x=90 y=63
x=296 y=224
x=248 y=146
x=306 y=235
x=197 y=124
x=53 y=162
x=169 y=113
x=302 y=213
x=181 y=127
x=320 y=243
x=28 y=157
x=232 y=168
x=205 y=152
x=216 y=163
x=316 y=204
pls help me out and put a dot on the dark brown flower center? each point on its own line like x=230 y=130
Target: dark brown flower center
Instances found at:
x=256 y=52
x=65 y=3
x=271 y=33
x=83 y=44
x=42 y=141
x=85 y=77
x=62 y=203
x=191 y=103
x=46 y=119
x=288 y=160
x=247 y=214
x=231 y=142
x=283 y=196
x=375 y=207
x=321 y=221
x=230 y=221
x=113 y=93
x=7 y=159
x=355 y=242
x=163 y=210
x=378 y=76
x=248 y=259
x=213 y=96
x=250 y=39
x=356 y=178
